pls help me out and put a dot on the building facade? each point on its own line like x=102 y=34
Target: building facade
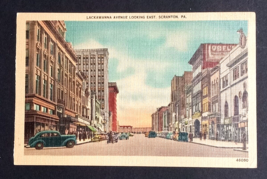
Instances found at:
x=215 y=114
x=94 y=64
x=141 y=129
x=113 y=91
x=206 y=56
x=52 y=93
x=125 y=129
x=234 y=92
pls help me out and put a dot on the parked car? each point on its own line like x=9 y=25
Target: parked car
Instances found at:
x=115 y=138
x=124 y=136
x=130 y=134
x=152 y=134
x=164 y=134
x=158 y=134
x=51 y=139
x=103 y=136
x=96 y=138
x=183 y=136
x=169 y=136
x=146 y=134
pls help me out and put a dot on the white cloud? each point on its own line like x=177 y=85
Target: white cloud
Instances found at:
x=136 y=101
x=178 y=40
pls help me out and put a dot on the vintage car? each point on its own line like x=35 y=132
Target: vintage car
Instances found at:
x=146 y=134
x=183 y=136
x=152 y=134
x=103 y=136
x=115 y=138
x=169 y=136
x=124 y=136
x=130 y=134
x=96 y=138
x=163 y=134
x=51 y=139
x=158 y=134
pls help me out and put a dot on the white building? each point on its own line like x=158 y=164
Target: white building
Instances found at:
x=234 y=94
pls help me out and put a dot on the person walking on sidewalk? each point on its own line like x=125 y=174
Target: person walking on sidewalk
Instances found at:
x=200 y=135
x=235 y=138
x=84 y=135
x=205 y=135
x=244 y=140
x=80 y=135
x=217 y=135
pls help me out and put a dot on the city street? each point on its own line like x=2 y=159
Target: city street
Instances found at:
x=139 y=145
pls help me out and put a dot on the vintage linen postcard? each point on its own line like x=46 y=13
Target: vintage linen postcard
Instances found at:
x=136 y=89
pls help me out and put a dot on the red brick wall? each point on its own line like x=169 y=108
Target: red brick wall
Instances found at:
x=113 y=107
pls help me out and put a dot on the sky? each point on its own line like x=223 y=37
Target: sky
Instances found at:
x=144 y=56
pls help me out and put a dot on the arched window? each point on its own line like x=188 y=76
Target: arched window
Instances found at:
x=226 y=109
x=245 y=99
x=236 y=107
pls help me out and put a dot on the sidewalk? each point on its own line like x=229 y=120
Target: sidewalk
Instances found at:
x=83 y=141
x=219 y=144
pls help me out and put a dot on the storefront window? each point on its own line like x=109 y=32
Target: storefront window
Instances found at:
x=226 y=109
x=245 y=99
x=36 y=107
x=27 y=106
x=236 y=109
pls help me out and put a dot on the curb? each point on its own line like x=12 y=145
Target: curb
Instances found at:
x=83 y=143
x=216 y=146
x=241 y=150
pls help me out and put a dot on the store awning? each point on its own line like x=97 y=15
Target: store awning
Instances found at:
x=79 y=124
x=92 y=128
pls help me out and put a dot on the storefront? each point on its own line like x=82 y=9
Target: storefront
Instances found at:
x=214 y=128
x=204 y=125
x=197 y=124
x=227 y=130
x=38 y=123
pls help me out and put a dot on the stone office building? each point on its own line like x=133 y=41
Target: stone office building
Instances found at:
x=51 y=89
x=94 y=64
x=234 y=92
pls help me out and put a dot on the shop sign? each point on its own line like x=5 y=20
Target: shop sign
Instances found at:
x=196 y=115
x=242 y=124
x=59 y=109
x=227 y=121
x=215 y=52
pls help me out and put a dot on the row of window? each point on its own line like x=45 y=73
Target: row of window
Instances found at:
x=37 y=107
x=236 y=74
x=236 y=104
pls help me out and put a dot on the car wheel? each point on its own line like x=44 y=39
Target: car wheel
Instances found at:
x=70 y=144
x=39 y=146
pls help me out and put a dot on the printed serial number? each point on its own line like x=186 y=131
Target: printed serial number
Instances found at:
x=242 y=160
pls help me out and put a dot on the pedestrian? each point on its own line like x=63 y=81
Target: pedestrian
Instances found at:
x=84 y=135
x=80 y=135
x=217 y=135
x=110 y=137
x=200 y=135
x=191 y=137
x=244 y=140
x=235 y=138
x=205 y=135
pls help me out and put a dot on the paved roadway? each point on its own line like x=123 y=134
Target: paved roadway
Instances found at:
x=139 y=145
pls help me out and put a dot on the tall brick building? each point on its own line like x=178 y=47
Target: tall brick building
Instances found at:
x=52 y=87
x=112 y=101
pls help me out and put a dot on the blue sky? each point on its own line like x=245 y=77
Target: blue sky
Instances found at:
x=144 y=56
